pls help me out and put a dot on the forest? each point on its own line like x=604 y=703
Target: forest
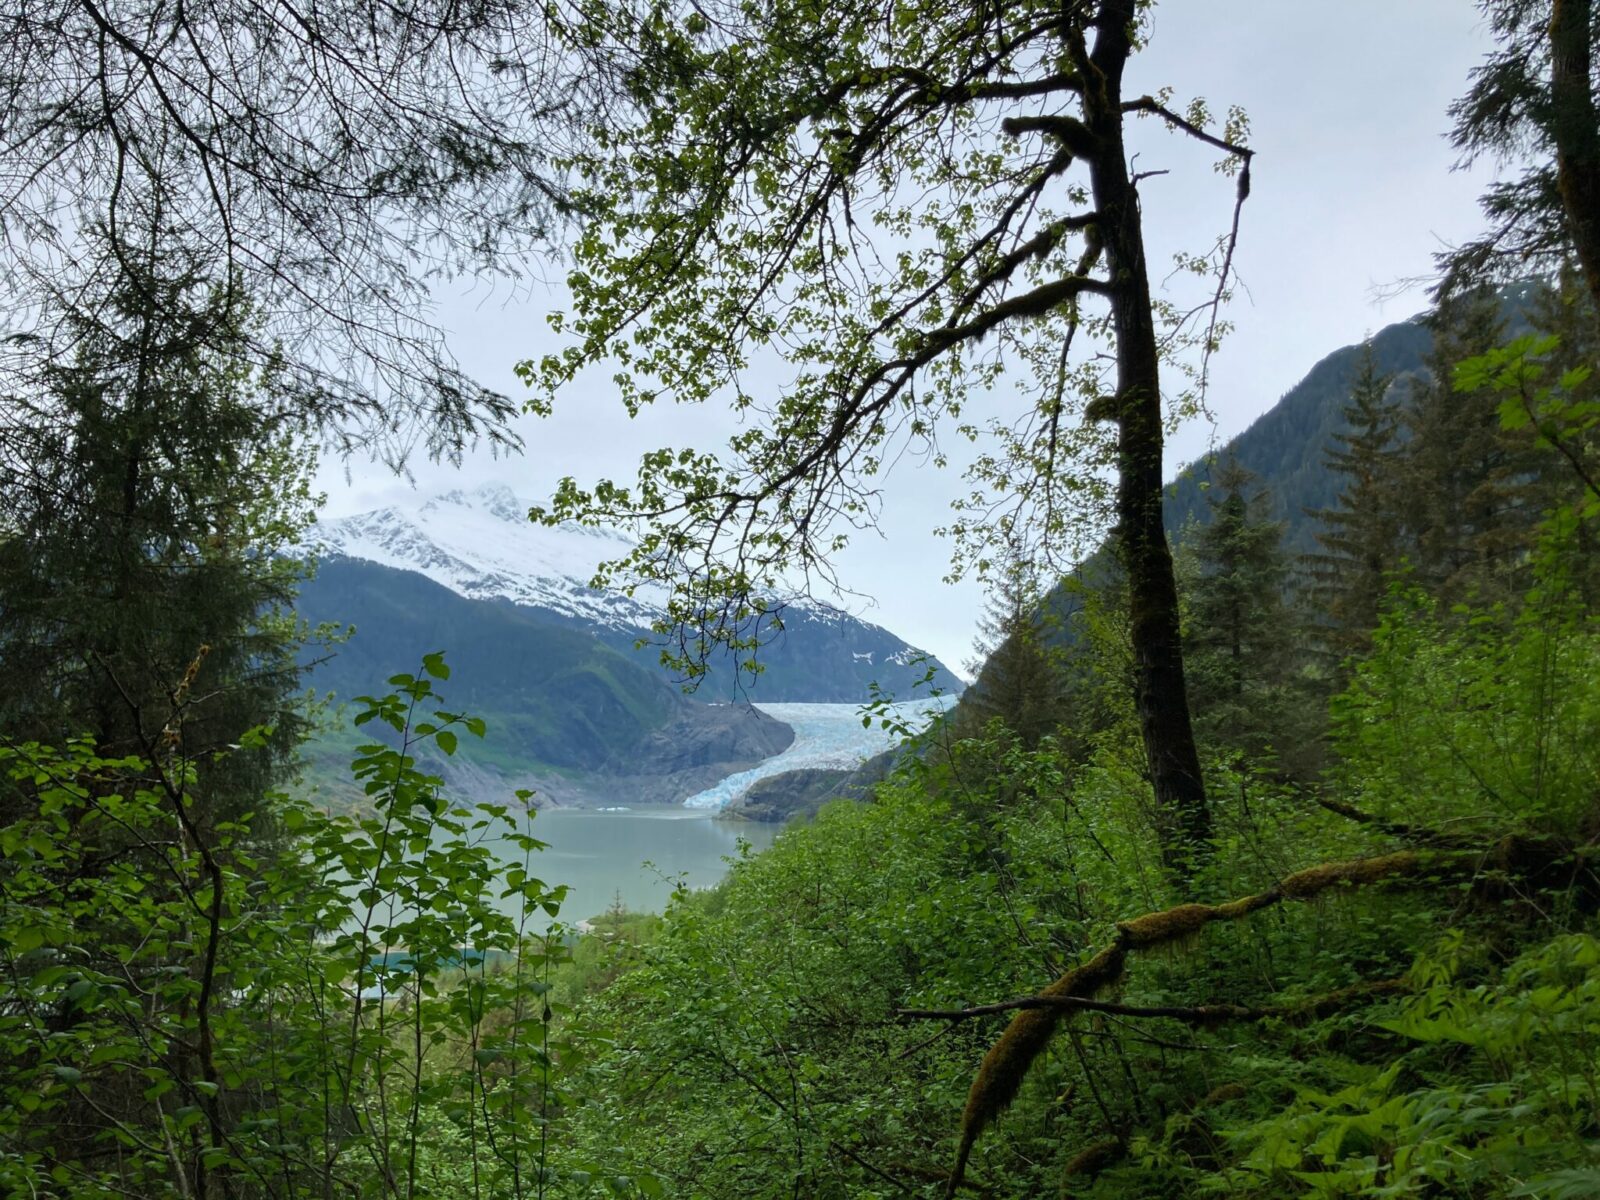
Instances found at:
x=1261 y=858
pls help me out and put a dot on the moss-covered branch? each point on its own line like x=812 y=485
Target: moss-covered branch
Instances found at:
x=1004 y=1067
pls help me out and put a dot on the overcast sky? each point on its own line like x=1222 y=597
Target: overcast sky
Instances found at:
x=1352 y=193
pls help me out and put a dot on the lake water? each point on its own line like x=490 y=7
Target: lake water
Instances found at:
x=638 y=856
x=602 y=856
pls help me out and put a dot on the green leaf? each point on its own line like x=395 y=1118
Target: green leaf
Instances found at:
x=434 y=665
x=446 y=740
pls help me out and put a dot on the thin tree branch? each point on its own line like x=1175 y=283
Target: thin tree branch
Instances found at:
x=1203 y=1015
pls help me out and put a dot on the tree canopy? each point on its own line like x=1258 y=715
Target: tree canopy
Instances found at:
x=1536 y=99
x=908 y=206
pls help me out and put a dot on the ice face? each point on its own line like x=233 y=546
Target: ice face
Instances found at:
x=825 y=735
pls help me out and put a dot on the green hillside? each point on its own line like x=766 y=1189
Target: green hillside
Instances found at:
x=559 y=703
x=1285 y=446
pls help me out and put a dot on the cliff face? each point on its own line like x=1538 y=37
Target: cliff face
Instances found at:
x=713 y=736
x=1286 y=447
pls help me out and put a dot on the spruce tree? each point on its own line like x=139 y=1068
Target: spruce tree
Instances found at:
x=1471 y=502
x=1241 y=642
x=145 y=574
x=1361 y=536
x=1017 y=678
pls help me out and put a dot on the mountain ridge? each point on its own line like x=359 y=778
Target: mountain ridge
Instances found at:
x=479 y=544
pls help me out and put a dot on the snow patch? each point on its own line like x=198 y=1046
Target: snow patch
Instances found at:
x=480 y=544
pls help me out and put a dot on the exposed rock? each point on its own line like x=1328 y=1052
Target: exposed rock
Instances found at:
x=862 y=780
x=730 y=737
x=777 y=798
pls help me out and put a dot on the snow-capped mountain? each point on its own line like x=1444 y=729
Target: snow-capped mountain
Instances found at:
x=480 y=545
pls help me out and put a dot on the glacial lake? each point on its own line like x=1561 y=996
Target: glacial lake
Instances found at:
x=602 y=856
x=636 y=854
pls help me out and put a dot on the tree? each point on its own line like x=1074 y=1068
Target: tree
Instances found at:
x=1566 y=312
x=200 y=1015
x=1537 y=96
x=1241 y=644
x=1472 y=505
x=323 y=163
x=150 y=554
x=1017 y=675
x=904 y=207
x=1361 y=534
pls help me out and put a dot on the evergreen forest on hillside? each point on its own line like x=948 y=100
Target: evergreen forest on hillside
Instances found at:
x=1260 y=859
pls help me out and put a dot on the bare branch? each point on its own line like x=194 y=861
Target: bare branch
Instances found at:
x=1149 y=104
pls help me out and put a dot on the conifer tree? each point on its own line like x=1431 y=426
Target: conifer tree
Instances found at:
x=1361 y=534
x=1018 y=679
x=1240 y=642
x=145 y=572
x=1470 y=498
x=1535 y=101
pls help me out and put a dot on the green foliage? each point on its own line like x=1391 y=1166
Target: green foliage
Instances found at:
x=362 y=1009
x=1556 y=405
x=1360 y=535
x=1018 y=674
x=1439 y=1035
x=1494 y=1091
x=1243 y=656
x=1472 y=505
x=152 y=551
x=1533 y=101
x=1477 y=719
x=870 y=198
x=1288 y=445
x=752 y=1054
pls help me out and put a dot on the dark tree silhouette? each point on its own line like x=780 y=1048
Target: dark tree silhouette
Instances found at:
x=321 y=164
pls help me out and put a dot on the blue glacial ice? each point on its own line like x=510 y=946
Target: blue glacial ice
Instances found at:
x=825 y=735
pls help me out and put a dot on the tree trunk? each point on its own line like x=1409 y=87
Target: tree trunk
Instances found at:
x=1159 y=691
x=1575 y=129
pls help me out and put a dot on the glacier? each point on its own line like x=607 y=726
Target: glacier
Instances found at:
x=825 y=735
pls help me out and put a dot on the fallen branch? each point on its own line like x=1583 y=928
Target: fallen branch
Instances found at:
x=1001 y=1073
x=1419 y=834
